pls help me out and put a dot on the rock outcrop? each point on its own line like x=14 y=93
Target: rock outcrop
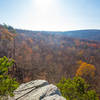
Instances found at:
x=37 y=90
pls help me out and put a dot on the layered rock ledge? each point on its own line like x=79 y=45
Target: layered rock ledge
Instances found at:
x=37 y=90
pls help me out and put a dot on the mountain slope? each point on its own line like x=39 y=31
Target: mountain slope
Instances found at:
x=81 y=34
x=51 y=55
x=84 y=34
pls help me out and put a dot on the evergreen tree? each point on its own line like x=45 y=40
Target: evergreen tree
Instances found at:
x=76 y=89
x=7 y=84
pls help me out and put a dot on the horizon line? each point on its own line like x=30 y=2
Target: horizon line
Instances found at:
x=57 y=30
x=41 y=30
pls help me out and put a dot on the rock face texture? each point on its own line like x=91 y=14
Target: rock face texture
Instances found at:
x=37 y=90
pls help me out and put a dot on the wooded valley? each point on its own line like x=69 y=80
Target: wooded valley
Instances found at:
x=49 y=55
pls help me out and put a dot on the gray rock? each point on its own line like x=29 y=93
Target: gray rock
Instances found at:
x=37 y=90
x=54 y=97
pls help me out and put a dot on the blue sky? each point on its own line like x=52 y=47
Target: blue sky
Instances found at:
x=52 y=15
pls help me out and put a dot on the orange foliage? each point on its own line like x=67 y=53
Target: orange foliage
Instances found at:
x=77 y=42
x=30 y=40
x=30 y=50
x=6 y=34
x=86 y=70
x=94 y=45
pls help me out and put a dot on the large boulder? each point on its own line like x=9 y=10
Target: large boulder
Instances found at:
x=37 y=90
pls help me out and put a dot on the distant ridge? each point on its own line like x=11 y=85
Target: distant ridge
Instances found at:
x=90 y=34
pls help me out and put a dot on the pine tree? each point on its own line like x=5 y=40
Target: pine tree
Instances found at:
x=76 y=89
x=7 y=84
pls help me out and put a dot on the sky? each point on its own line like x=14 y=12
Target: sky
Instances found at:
x=51 y=15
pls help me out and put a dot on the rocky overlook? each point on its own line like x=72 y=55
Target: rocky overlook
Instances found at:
x=37 y=90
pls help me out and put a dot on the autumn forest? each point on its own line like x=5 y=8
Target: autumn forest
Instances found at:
x=52 y=55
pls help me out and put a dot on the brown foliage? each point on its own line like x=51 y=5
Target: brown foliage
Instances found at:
x=49 y=56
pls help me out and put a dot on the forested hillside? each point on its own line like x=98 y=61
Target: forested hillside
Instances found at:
x=45 y=55
x=91 y=34
x=6 y=42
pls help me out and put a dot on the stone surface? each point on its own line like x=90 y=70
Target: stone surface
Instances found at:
x=37 y=90
x=54 y=97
